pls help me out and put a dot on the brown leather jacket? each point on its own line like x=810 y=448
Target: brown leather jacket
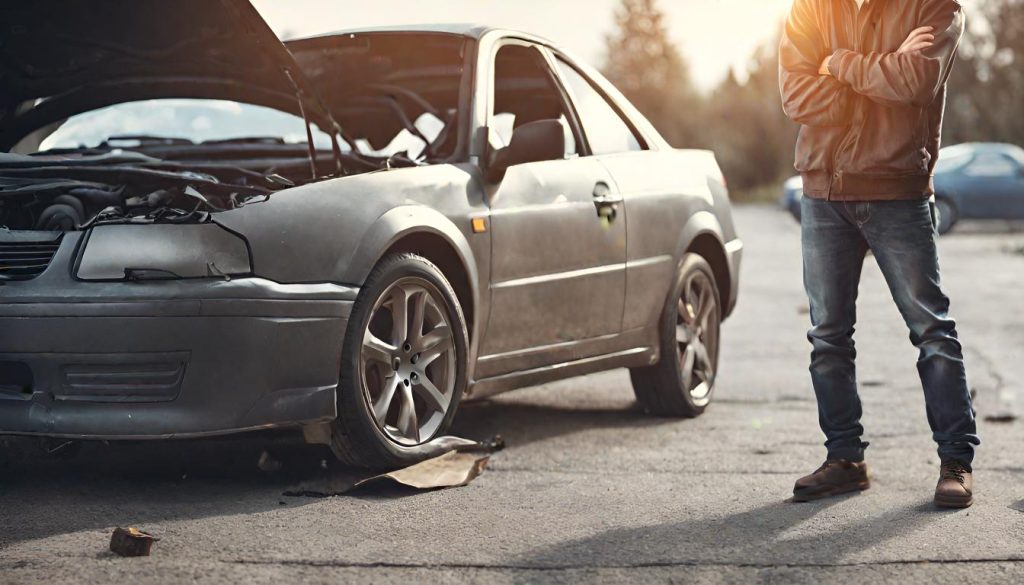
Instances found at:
x=869 y=131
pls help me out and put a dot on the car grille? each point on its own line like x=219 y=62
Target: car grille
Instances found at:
x=23 y=260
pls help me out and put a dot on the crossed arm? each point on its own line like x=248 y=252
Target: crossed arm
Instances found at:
x=818 y=87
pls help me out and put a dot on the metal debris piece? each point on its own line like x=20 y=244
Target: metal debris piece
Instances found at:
x=461 y=464
x=131 y=542
x=453 y=469
x=492 y=445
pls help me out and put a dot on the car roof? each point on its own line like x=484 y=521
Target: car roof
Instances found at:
x=466 y=29
x=970 y=149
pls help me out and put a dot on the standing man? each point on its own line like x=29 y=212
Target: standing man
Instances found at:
x=866 y=79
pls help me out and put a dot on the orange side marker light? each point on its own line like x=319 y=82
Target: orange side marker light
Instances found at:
x=479 y=225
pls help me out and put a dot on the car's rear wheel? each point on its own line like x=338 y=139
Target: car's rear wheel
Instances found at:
x=947 y=215
x=682 y=382
x=403 y=366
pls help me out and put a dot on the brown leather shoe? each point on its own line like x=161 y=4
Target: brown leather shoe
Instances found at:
x=954 y=488
x=834 y=477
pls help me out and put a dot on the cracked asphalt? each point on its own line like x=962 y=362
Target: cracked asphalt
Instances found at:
x=590 y=489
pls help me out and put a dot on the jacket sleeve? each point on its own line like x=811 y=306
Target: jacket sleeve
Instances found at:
x=906 y=79
x=809 y=98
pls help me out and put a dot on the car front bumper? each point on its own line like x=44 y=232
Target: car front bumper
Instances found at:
x=166 y=359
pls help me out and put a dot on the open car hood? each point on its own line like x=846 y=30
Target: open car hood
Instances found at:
x=60 y=58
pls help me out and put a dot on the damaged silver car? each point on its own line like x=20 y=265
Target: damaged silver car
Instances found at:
x=204 y=230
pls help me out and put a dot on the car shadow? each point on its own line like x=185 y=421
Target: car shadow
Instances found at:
x=49 y=488
x=54 y=487
x=523 y=423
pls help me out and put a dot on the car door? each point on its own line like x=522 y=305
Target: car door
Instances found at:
x=995 y=187
x=653 y=189
x=558 y=235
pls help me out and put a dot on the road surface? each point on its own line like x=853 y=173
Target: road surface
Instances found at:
x=589 y=488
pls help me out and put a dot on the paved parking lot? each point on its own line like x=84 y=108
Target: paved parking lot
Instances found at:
x=589 y=488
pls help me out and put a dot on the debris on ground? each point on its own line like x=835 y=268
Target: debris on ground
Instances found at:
x=1000 y=417
x=268 y=463
x=453 y=469
x=456 y=467
x=131 y=542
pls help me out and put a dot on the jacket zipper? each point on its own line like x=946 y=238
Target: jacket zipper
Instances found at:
x=836 y=182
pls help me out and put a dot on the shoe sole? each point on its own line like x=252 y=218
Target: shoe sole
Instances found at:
x=829 y=491
x=954 y=501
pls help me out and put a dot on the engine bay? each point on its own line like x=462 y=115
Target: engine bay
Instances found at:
x=68 y=191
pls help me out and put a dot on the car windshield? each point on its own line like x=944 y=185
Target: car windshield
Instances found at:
x=391 y=90
x=952 y=160
x=208 y=120
x=194 y=120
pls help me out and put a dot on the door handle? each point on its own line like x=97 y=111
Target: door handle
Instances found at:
x=607 y=204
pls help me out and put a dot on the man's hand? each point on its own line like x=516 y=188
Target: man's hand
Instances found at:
x=823 y=69
x=918 y=40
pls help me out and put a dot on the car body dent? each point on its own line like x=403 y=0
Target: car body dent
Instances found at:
x=317 y=232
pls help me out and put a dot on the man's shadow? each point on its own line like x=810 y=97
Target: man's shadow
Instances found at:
x=765 y=536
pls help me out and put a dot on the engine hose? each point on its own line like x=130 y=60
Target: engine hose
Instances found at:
x=99 y=198
x=74 y=202
x=59 y=216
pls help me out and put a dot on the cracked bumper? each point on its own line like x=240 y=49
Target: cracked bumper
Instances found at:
x=167 y=359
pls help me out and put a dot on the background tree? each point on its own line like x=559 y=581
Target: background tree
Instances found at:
x=986 y=86
x=645 y=64
x=743 y=122
x=752 y=137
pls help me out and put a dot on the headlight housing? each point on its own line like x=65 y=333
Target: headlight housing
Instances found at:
x=162 y=251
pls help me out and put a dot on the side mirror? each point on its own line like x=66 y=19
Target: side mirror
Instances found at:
x=533 y=142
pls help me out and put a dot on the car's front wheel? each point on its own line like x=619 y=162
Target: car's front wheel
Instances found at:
x=683 y=380
x=403 y=366
x=947 y=215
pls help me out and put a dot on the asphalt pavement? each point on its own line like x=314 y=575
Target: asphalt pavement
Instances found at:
x=589 y=488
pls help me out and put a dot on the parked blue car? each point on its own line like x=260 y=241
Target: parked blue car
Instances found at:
x=792 y=193
x=978 y=180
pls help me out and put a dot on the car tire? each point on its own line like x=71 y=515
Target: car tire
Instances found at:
x=947 y=215
x=387 y=412
x=682 y=382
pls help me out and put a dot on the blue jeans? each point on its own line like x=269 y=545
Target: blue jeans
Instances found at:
x=836 y=236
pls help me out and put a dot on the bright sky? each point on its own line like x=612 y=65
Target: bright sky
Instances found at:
x=713 y=34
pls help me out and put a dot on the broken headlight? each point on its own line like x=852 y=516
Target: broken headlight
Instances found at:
x=161 y=252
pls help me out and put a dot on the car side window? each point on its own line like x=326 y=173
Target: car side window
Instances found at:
x=604 y=128
x=525 y=91
x=990 y=164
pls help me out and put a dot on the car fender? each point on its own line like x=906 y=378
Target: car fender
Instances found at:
x=398 y=223
x=701 y=222
x=705 y=223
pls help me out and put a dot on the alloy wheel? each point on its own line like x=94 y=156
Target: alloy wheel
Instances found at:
x=408 y=361
x=697 y=325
